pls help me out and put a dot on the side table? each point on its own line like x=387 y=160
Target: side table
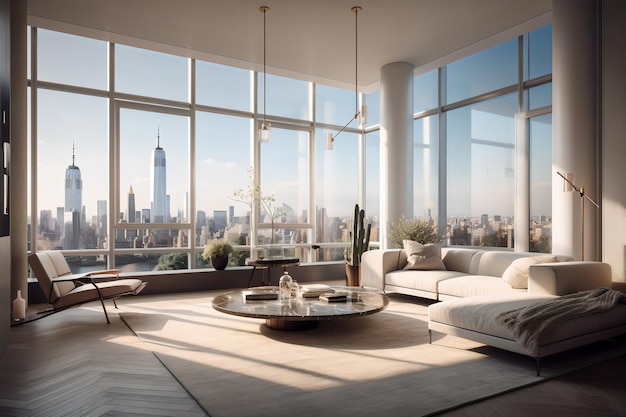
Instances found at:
x=268 y=263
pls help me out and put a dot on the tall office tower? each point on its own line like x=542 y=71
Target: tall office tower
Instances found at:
x=219 y=221
x=158 y=206
x=131 y=206
x=102 y=225
x=45 y=221
x=73 y=187
x=231 y=215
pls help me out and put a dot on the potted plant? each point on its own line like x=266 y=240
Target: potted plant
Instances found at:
x=359 y=243
x=253 y=196
x=418 y=230
x=218 y=252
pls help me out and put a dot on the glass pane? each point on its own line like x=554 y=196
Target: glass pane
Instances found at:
x=223 y=86
x=540 y=96
x=72 y=166
x=154 y=173
x=69 y=59
x=426 y=168
x=336 y=185
x=286 y=97
x=426 y=91
x=335 y=105
x=372 y=101
x=222 y=162
x=480 y=172
x=540 y=52
x=372 y=182
x=285 y=179
x=152 y=74
x=151 y=261
x=482 y=72
x=541 y=184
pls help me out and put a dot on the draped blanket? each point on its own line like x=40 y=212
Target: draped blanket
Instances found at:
x=531 y=323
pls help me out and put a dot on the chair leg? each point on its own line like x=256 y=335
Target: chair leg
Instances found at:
x=102 y=302
x=115 y=303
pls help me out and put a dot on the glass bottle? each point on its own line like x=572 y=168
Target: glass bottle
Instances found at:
x=284 y=285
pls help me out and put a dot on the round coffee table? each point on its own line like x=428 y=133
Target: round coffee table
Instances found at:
x=299 y=313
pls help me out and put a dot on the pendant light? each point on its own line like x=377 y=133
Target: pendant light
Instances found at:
x=264 y=130
x=359 y=112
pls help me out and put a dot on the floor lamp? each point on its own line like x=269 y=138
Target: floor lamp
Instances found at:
x=583 y=196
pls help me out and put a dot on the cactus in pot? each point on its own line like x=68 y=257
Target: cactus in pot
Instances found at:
x=359 y=237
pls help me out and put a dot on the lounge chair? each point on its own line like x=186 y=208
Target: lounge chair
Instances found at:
x=65 y=289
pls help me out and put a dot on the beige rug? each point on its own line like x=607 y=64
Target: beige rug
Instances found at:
x=366 y=366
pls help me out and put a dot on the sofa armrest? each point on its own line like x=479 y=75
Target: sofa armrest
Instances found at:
x=375 y=264
x=561 y=278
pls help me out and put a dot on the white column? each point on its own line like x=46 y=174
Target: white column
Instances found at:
x=576 y=141
x=396 y=145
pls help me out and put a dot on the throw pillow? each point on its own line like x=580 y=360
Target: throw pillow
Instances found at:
x=422 y=257
x=516 y=275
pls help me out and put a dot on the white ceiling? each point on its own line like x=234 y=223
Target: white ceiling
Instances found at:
x=313 y=40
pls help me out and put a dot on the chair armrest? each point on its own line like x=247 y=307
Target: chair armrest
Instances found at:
x=375 y=264
x=109 y=272
x=561 y=278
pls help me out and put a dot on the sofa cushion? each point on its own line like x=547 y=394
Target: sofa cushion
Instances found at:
x=480 y=314
x=420 y=280
x=516 y=275
x=423 y=257
x=472 y=285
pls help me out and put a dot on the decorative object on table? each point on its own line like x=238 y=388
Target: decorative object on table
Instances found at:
x=417 y=230
x=284 y=284
x=359 y=243
x=254 y=198
x=218 y=252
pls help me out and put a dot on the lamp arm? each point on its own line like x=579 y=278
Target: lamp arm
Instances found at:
x=579 y=190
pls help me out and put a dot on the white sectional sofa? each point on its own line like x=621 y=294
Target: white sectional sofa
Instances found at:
x=468 y=272
x=474 y=295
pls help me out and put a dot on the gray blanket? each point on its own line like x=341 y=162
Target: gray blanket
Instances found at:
x=531 y=323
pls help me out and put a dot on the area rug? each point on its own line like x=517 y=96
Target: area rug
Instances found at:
x=382 y=364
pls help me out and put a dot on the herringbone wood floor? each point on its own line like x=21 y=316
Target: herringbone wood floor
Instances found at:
x=74 y=364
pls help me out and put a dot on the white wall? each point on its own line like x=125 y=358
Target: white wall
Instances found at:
x=614 y=137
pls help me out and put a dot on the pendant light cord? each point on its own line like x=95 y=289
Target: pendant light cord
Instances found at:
x=356 y=10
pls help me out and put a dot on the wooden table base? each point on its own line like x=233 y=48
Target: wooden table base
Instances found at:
x=291 y=325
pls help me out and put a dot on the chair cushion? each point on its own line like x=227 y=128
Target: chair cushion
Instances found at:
x=87 y=292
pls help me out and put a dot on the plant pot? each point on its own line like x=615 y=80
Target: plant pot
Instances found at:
x=353 y=275
x=219 y=262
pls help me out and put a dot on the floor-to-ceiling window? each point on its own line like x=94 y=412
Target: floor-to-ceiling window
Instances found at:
x=139 y=154
x=150 y=149
x=468 y=108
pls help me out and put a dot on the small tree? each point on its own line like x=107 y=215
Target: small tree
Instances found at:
x=417 y=230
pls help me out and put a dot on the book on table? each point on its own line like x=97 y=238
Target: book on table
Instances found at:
x=339 y=297
x=315 y=290
x=258 y=294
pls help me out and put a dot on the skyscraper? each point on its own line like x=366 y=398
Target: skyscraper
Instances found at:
x=131 y=206
x=158 y=206
x=73 y=187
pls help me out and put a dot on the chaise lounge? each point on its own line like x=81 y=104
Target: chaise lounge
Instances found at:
x=64 y=289
x=475 y=295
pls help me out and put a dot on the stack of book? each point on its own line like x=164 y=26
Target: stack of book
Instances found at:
x=315 y=290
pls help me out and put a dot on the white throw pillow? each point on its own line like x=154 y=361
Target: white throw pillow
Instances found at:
x=422 y=257
x=516 y=275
